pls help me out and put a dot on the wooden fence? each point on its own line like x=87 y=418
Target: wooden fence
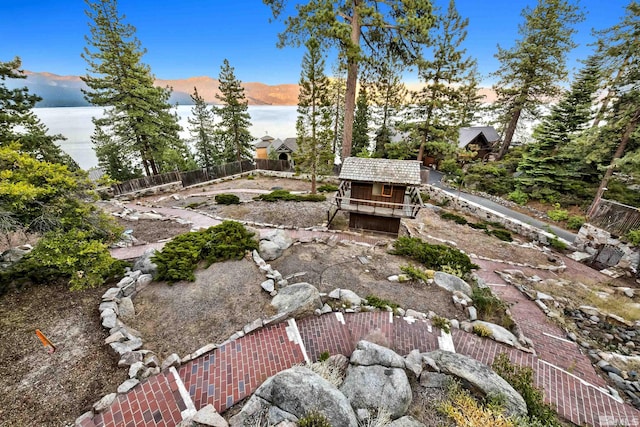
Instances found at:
x=200 y=175
x=615 y=217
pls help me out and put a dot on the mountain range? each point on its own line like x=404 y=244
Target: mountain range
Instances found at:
x=66 y=91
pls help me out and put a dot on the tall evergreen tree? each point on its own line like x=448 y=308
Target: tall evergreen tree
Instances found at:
x=361 y=124
x=346 y=23
x=438 y=108
x=530 y=71
x=18 y=123
x=549 y=166
x=337 y=88
x=234 y=116
x=204 y=131
x=469 y=104
x=313 y=125
x=139 y=120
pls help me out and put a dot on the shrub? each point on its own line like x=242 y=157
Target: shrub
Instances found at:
x=575 y=222
x=490 y=307
x=434 y=257
x=227 y=199
x=415 y=273
x=380 y=303
x=285 y=195
x=503 y=235
x=180 y=257
x=518 y=196
x=442 y=323
x=314 y=419
x=634 y=237
x=490 y=178
x=481 y=331
x=327 y=188
x=558 y=214
x=251 y=177
x=324 y=356
x=453 y=217
x=557 y=244
x=478 y=225
x=194 y=205
x=464 y=410
x=521 y=379
x=450 y=167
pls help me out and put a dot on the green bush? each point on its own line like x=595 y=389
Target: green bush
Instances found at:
x=285 y=195
x=575 y=222
x=380 y=303
x=503 y=235
x=453 y=217
x=634 y=237
x=518 y=196
x=227 y=199
x=314 y=419
x=433 y=256
x=324 y=356
x=180 y=257
x=441 y=323
x=415 y=273
x=558 y=214
x=490 y=178
x=450 y=167
x=327 y=188
x=478 y=225
x=557 y=244
x=490 y=308
x=521 y=379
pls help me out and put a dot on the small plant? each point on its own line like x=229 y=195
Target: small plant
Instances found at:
x=558 y=214
x=324 y=356
x=519 y=197
x=453 y=217
x=425 y=196
x=251 y=177
x=314 y=419
x=380 y=303
x=490 y=307
x=328 y=188
x=481 y=331
x=415 y=273
x=442 y=323
x=464 y=410
x=478 y=225
x=503 y=235
x=194 y=205
x=557 y=244
x=521 y=379
x=285 y=195
x=634 y=237
x=433 y=257
x=575 y=222
x=227 y=199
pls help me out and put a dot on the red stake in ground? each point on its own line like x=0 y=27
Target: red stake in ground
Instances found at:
x=46 y=342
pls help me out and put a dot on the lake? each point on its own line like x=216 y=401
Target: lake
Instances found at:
x=75 y=124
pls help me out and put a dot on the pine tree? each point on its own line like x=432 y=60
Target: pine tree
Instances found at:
x=346 y=23
x=530 y=71
x=361 y=124
x=139 y=120
x=469 y=104
x=18 y=123
x=337 y=88
x=313 y=125
x=549 y=166
x=204 y=131
x=234 y=116
x=448 y=75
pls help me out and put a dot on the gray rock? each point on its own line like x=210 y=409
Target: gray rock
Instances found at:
x=171 y=360
x=406 y=421
x=208 y=416
x=434 y=380
x=481 y=377
x=14 y=255
x=298 y=391
x=413 y=362
x=151 y=360
x=125 y=281
x=280 y=238
x=252 y=413
x=335 y=294
x=112 y=294
x=500 y=334
x=126 y=309
x=268 y=285
x=298 y=300
x=143 y=281
x=104 y=403
x=84 y=417
x=326 y=309
x=451 y=283
x=129 y=358
x=372 y=387
x=473 y=313
x=269 y=250
x=123 y=347
x=350 y=297
x=127 y=385
x=415 y=314
x=108 y=305
x=620 y=382
x=115 y=337
x=135 y=274
x=109 y=319
x=144 y=263
x=136 y=370
x=368 y=354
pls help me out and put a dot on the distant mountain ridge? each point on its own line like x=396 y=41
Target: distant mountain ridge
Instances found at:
x=65 y=91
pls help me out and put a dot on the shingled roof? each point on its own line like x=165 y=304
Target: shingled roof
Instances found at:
x=381 y=170
x=466 y=135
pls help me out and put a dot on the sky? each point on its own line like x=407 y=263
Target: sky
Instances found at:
x=187 y=38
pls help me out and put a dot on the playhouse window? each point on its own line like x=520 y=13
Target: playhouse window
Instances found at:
x=382 y=190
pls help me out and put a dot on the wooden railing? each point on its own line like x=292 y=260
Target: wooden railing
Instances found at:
x=614 y=217
x=374 y=207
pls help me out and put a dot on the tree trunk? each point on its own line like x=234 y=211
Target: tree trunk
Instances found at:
x=335 y=129
x=631 y=127
x=511 y=129
x=352 y=80
x=422 y=144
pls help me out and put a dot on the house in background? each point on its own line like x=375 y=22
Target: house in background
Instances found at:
x=284 y=150
x=378 y=193
x=481 y=139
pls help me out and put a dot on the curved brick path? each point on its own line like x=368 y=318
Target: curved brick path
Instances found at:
x=235 y=369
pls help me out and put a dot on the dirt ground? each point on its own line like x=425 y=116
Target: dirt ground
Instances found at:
x=41 y=389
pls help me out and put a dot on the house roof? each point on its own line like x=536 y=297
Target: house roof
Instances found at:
x=381 y=170
x=291 y=144
x=466 y=135
x=264 y=142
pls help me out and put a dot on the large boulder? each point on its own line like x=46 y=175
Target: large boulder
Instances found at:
x=498 y=333
x=269 y=250
x=279 y=237
x=144 y=263
x=406 y=421
x=298 y=300
x=373 y=387
x=451 y=283
x=368 y=354
x=481 y=377
x=292 y=394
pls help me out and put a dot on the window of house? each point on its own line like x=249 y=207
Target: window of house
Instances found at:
x=383 y=190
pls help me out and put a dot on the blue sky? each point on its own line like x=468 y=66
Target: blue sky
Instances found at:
x=186 y=38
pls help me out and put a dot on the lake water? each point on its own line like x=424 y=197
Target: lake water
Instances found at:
x=75 y=124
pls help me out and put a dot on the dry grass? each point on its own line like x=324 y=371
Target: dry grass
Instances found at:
x=329 y=372
x=465 y=411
